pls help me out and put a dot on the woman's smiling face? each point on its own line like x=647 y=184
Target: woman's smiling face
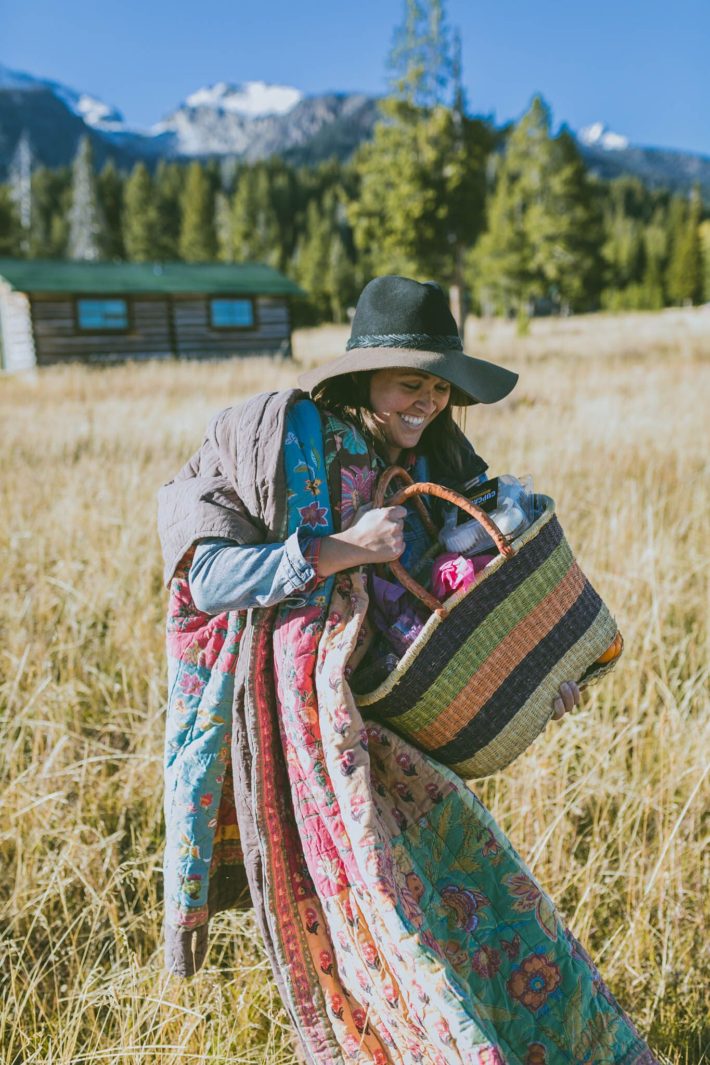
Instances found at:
x=404 y=402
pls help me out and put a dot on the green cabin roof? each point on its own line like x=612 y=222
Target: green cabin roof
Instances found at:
x=53 y=275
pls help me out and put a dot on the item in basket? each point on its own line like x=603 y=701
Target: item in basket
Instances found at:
x=510 y=504
x=395 y=614
x=454 y=573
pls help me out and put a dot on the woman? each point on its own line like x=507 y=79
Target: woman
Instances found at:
x=400 y=923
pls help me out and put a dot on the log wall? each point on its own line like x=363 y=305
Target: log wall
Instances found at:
x=159 y=327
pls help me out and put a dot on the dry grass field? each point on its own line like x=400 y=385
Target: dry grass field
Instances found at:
x=611 y=418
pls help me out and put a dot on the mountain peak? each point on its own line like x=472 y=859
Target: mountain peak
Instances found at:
x=598 y=135
x=252 y=99
x=93 y=111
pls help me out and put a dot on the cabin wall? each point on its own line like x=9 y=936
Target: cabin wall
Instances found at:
x=196 y=339
x=17 y=349
x=159 y=327
x=57 y=338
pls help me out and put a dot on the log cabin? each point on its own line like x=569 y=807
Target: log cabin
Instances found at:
x=54 y=311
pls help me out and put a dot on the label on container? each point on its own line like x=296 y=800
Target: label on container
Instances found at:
x=485 y=495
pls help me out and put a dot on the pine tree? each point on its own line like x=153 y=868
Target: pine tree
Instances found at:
x=541 y=244
x=87 y=231
x=312 y=257
x=11 y=235
x=705 y=245
x=322 y=264
x=223 y=227
x=256 y=235
x=111 y=191
x=51 y=203
x=168 y=185
x=422 y=177
x=685 y=271
x=420 y=58
x=197 y=237
x=501 y=263
x=140 y=218
x=20 y=175
x=284 y=199
x=627 y=255
x=422 y=190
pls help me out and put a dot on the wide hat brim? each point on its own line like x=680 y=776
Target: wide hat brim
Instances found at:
x=472 y=380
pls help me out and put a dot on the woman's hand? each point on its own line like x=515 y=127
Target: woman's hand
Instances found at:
x=378 y=532
x=569 y=697
x=376 y=535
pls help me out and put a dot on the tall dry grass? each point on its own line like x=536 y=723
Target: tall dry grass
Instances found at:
x=607 y=807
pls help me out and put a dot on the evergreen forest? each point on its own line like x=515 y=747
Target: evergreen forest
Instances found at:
x=509 y=220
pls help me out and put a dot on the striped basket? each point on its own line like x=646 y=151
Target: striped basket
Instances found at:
x=477 y=685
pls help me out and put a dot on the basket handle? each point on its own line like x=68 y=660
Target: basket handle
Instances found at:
x=415 y=490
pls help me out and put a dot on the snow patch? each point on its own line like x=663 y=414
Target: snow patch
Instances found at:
x=253 y=98
x=598 y=135
x=93 y=111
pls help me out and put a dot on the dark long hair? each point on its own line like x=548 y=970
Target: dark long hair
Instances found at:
x=452 y=456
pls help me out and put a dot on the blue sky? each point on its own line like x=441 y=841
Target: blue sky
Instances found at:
x=642 y=66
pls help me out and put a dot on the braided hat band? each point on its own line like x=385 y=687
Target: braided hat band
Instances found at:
x=413 y=341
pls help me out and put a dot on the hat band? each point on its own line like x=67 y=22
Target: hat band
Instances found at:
x=413 y=341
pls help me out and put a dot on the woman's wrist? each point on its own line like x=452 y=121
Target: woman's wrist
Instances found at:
x=337 y=553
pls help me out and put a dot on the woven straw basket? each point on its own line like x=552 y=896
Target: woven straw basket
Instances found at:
x=477 y=685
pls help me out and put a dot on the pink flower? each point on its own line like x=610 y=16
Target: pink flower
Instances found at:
x=405 y=764
x=356 y=489
x=403 y=791
x=372 y=958
x=443 y=1030
x=191 y=684
x=326 y=962
x=391 y=994
x=420 y=992
x=360 y=1018
x=313 y=515
x=347 y=763
x=399 y=818
x=341 y=720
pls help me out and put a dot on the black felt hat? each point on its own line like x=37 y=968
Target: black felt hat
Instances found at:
x=400 y=322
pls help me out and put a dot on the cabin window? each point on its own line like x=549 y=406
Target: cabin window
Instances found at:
x=232 y=314
x=105 y=316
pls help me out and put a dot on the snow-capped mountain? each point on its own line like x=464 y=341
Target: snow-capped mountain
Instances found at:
x=255 y=120
x=253 y=98
x=91 y=110
x=598 y=135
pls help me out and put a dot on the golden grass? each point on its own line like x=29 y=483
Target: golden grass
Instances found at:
x=610 y=417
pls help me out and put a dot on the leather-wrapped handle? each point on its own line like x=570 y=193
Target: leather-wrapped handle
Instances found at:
x=414 y=490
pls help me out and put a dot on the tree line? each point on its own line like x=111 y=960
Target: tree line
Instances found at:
x=509 y=220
